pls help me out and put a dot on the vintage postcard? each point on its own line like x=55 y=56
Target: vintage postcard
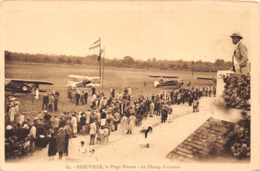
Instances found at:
x=130 y=85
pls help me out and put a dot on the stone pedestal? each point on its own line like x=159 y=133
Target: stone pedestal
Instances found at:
x=220 y=111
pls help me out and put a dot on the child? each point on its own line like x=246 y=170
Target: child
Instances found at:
x=91 y=155
x=194 y=105
x=100 y=137
x=106 y=133
x=146 y=131
x=82 y=150
x=197 y=106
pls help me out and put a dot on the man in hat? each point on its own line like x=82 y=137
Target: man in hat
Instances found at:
x=164 y=113
x=92 y=132
x=86 y=97
x=32 y=136
x=61 y=142
x=241 y=64
x=77 y=95
x=67 y=137
x=46 y=116
x=45 y=101
x=55 y=101
x=93 y=90
x=56 y=123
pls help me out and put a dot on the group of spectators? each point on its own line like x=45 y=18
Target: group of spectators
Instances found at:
x=50 y=101
x=104 y=116
x=23 y=136
x=78 y=97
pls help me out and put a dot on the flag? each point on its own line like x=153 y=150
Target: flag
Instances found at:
x=96 y=44
x=99 y=56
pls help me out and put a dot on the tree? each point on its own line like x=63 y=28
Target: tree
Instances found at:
x=163 y=67
x=128 y=61
x=172 y=66
x=199 y=62
x=78 y=60
x=185 y=65
x=7 y=56
x=219 y=62
x=61 y=60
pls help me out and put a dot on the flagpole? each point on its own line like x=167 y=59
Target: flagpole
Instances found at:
x=100 y=59
x=192 y=66
x=103 y=69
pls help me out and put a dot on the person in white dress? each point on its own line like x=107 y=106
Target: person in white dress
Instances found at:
x=82 y=150
x=123 y=123
x=37 y=94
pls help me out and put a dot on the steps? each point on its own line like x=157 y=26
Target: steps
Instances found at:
x=208 y=140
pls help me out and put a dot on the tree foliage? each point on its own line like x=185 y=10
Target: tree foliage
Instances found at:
x=127 y=61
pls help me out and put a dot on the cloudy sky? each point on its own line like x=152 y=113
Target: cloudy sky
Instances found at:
x=165 y=30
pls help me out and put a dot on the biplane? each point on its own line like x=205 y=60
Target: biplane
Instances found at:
x=83 y=81
x=23 y=86
x=164 y=81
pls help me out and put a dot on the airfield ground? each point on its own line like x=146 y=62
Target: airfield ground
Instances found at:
x=119 y=78
x=121 y=148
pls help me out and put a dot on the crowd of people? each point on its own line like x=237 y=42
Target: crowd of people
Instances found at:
x=104 y=116
x=78 y=97
x=50 y=101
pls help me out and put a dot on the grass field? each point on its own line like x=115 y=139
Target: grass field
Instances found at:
x=119 y=78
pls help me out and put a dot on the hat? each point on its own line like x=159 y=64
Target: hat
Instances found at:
x=45 y=111
x=9 y=127
x=237 y=35
x=25 y=126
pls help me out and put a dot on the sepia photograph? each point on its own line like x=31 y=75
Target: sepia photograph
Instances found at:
x=130 y=85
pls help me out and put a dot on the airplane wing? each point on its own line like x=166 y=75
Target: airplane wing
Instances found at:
x=205 y=78
x=162 y=76
x=29 y=81
x=75 y=76
x=82 y=77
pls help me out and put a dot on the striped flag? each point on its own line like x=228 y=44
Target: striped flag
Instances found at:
x=96 y=44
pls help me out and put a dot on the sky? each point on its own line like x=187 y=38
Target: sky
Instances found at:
x=170 y=30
